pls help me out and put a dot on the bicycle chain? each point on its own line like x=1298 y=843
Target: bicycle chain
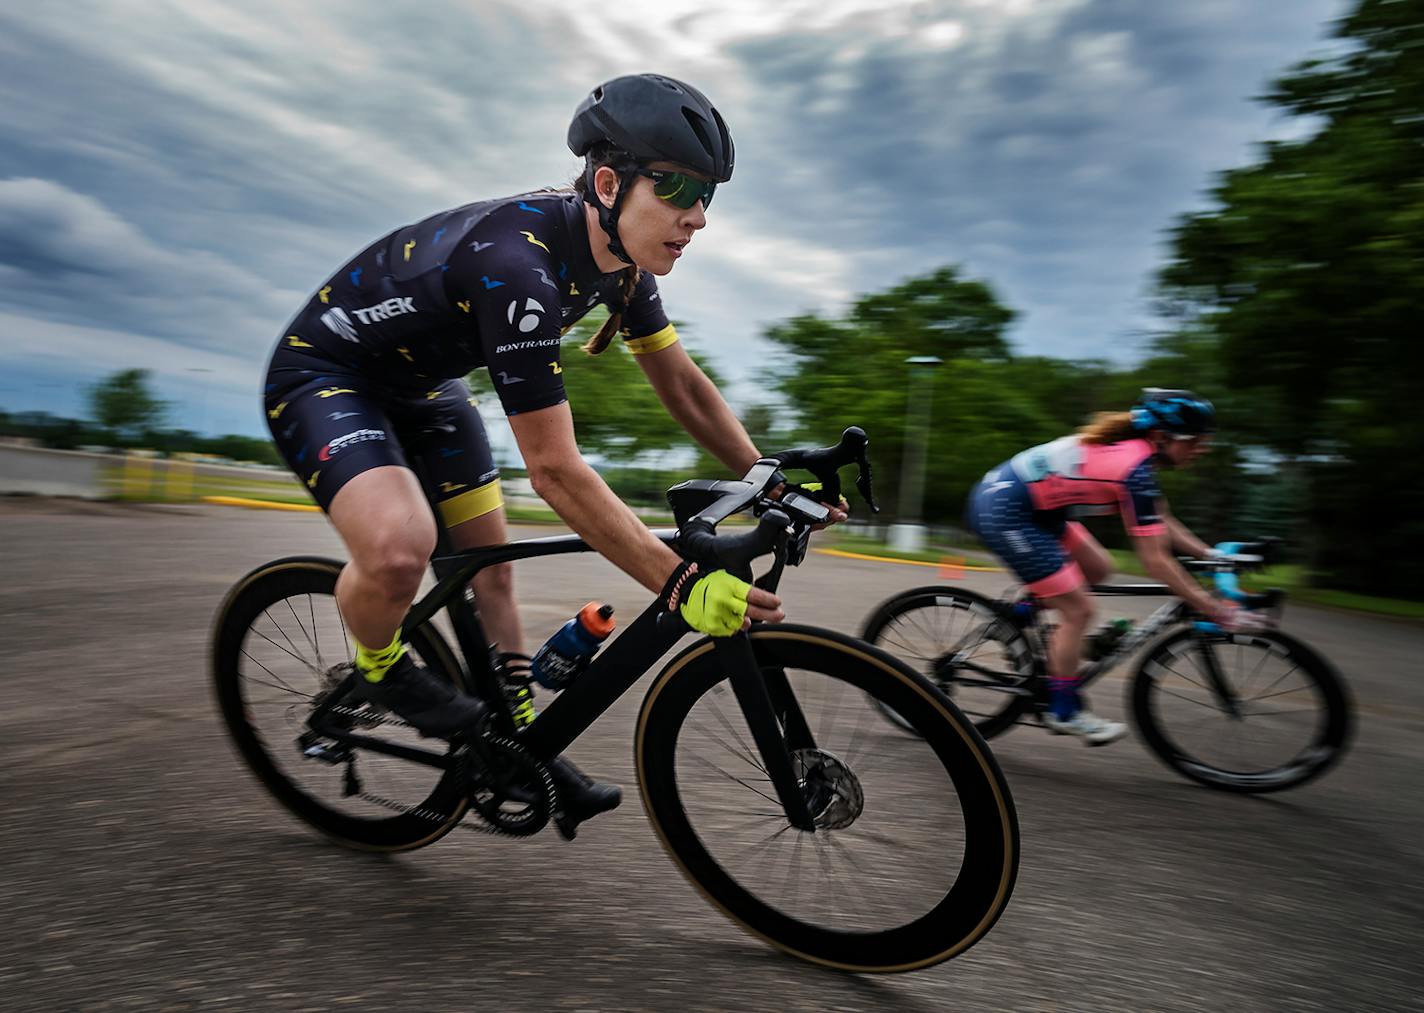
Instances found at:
x=473 y=821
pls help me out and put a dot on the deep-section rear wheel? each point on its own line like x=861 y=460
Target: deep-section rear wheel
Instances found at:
x=277 y=648
x=941 y=631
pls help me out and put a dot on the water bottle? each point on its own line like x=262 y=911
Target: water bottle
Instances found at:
x=567 y=652
x=1108 y=636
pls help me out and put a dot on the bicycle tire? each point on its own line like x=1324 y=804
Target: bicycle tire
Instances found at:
x=1327 y=740
x=982 y=881
x=424 y=821
x=890 y=628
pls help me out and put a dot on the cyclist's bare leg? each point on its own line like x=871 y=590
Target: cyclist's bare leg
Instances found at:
x=1088 y=553
x=1075 y=610
x=494 y=585
x=385 y=520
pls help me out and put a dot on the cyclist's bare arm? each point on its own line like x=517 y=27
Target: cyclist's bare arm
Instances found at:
x=1155 y=551
x=579 y=495
x=1183 y=541
x=583 y=500
x=698 y=406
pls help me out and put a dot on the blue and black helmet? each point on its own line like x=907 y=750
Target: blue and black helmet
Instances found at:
x=1179 y=412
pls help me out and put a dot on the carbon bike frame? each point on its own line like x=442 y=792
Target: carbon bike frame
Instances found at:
x=762 y=694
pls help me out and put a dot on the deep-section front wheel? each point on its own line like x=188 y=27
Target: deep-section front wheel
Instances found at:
x=277 y=648
x=967 y=645
x=1249 y=711
x=915 y=847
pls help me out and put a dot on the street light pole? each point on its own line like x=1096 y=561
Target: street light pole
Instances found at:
x=909 y=534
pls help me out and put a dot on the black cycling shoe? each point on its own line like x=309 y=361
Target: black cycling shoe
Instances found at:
x=580 y=796
x=429 y=704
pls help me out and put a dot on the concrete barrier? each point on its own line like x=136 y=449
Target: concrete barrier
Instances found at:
x=43 y=472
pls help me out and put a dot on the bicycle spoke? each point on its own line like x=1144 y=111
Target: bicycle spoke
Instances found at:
x=284 y=685
x=732 y=777
x=290 y=650
x=742 y=750
x=307 y=636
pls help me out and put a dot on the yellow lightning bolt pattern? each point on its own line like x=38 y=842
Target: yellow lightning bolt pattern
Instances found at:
x=333 y=391
x=296 y=342
x=556 y=367
x=406 y=352
x=311 y=482
x=451 y=486
x=573 y=289
x=322 y=295
x=530 y=236
x=408 y=247
x=432 y=395
x=277 y=411
x=464 y=306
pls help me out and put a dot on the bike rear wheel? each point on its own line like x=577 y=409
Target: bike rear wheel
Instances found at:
x=929 y=627
x=1293 y=712
x=916 y=847
x=278 y=640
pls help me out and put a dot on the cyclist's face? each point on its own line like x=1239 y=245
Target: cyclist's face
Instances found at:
x=655 y=232
x=1183 y=452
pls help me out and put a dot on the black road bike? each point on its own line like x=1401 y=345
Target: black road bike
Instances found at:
x=1251 y=709
x=768 y=778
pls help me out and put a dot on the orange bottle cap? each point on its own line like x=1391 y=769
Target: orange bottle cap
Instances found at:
x=597 y=618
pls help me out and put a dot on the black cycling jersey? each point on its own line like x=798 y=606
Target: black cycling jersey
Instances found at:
x=368 y=373
x=490 y=284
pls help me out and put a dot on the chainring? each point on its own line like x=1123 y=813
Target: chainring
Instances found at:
x=511 y=790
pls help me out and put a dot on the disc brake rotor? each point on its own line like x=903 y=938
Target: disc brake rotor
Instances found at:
x=832 y=792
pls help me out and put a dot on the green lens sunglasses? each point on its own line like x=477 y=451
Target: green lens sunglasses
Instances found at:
x=679 y=189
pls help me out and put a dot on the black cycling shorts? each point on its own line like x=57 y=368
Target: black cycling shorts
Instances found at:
x=330 y=426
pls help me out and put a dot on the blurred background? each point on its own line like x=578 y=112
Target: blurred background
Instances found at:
x=1060 y=200
x=966 y=225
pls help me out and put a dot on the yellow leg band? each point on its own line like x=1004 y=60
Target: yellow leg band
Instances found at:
x=468 y=505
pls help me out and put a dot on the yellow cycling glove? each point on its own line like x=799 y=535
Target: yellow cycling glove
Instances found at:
x=716 y=604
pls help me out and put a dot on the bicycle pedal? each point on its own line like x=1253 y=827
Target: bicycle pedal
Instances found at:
x=326 y=753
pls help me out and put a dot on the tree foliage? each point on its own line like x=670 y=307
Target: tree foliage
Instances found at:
x=124 y=402
x=1309 y=273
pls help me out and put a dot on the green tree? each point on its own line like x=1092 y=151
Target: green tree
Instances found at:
x=852 y=370
x=1310 y=274
x=124 y=403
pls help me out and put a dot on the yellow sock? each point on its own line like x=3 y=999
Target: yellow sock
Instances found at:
x=374 y=664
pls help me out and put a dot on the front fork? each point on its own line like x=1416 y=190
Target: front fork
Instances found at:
x=774 y=717
x=1225 y=695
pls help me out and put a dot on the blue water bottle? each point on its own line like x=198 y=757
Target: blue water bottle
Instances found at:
x=567 y=652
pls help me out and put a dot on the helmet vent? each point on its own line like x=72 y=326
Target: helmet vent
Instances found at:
x=699 y=127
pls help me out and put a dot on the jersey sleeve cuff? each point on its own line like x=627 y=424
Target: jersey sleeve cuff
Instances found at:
x=1146 y=530
x=654 y=342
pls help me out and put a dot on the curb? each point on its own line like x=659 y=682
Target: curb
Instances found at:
x=944 y=564
x=261 y=504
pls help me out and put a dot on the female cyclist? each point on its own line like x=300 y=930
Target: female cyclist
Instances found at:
x=1020 y=511
x=367 y=377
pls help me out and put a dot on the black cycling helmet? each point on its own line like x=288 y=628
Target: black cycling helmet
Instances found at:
x=655 y=119
x=1179 y=412
x=646 y=118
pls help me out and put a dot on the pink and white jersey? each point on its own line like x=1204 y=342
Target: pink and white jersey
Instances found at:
x=1094 y=478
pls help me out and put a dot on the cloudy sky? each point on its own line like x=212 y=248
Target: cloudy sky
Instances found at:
x=175 y=178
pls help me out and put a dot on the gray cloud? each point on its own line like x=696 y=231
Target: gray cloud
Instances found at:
x=184 y=174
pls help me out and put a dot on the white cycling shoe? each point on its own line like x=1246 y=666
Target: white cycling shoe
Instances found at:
x=1093 y=730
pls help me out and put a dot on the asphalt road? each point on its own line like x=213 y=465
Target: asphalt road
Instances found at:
x=145 y=869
